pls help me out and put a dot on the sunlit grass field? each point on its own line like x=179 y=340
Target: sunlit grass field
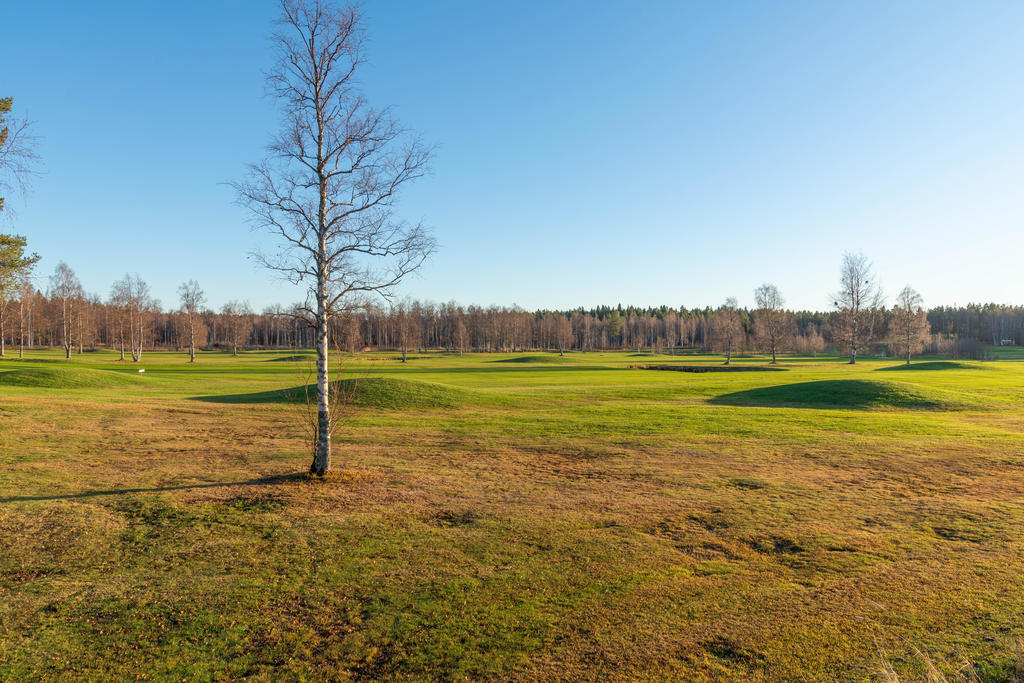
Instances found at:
x=517 y=516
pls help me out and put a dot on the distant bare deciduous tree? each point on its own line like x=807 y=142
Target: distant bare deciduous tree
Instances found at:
x=563 y=333
x=858 y=304
x=726 y=329
x=17 y=151
x=15 y=266
x=26 y=302
x=66 y=290
x=238 y=316
x=329 y=187
x=461 y=336
x=773 y=324
x=132 y=294
x=192 y=299
x=118 y=303
x=351 y=333
x=408 y=327
x=909 y=330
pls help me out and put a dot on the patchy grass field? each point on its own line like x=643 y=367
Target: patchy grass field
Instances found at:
x=519 y=516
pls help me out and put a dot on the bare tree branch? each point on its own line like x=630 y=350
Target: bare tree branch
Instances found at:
x=18 y=157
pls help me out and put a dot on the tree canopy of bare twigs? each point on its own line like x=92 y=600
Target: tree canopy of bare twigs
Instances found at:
x=66 y=289
x=727 y=329
x=773 y=324
x=192 y=298
x=909 y=330
x=131 y=295
x=329 y=185
x=858 y=304
x=17 y=151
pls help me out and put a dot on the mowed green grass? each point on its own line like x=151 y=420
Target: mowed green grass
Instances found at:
x=510 y=516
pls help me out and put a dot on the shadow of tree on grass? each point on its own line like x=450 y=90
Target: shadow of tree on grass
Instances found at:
x=261 y=481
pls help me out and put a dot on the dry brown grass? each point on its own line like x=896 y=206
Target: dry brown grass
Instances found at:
x=490 y=543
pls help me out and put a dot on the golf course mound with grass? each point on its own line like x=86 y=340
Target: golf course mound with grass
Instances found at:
x=934 y=365
x=534 y=358
x=849 y=394
x=65 y=378
x=396 y=394
x=714 y=368
x=367 y=392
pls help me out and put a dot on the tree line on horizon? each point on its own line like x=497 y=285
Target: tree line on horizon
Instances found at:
x=130 y=320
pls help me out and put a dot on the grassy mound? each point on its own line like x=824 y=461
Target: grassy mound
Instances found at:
x=385 y=392
x=369 y=392
x=714 y=368
x=290 y=359
x=933 y=365
x=64 y=378
x=534 y=358
x=847 y=393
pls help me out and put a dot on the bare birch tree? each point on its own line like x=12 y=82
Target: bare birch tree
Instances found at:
x=727 y=328
x=909 y=329
x=857 y=303
x=192 y=299
x=118 y=302
x=132 y=294
x=330 y=183
x=773 y=324
x=238 y=316
x=563 y=333
x=461 y=335
x=65 y=289
x=26 y=301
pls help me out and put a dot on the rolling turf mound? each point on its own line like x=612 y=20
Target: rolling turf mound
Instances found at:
x=369 y=392
x=534 y=358
x=385 y=392
x=65 y=378
x=855 y=394
x=934 y=365
x=714 y=368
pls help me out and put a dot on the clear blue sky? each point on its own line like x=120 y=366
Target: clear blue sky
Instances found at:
x=589 y=152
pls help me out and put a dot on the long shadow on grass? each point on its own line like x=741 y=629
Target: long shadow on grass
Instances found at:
x=293 y=395
x=849 y=394
x=275 y=479
x=375 y=392
x=716 y=368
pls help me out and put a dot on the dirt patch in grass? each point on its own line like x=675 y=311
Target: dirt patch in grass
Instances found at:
x=775 y=545
x=453 y=518
x=729 y=651
x=258 y=502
